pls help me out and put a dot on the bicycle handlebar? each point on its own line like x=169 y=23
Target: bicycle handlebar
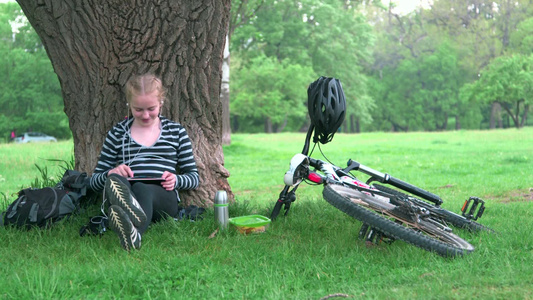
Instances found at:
x=381 y=177
x=386 y=178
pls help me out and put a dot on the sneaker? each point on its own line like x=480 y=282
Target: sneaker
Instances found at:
x=120 y=223
x=119 y=194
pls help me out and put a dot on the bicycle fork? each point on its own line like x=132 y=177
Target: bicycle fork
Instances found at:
x=285 y=199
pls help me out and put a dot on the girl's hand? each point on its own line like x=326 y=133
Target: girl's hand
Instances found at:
x=121 y=170
x=170 y=181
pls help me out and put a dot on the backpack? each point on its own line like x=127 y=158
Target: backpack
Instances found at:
x=75 y=182
x=39 y=207
x=45 y=206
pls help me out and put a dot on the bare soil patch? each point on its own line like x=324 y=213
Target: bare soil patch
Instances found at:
x=517 y=196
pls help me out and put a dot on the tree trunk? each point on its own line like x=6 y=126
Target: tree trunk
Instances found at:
x=95 y=46
x=524 y=117
x=513 y=116
x=280 y=127
x=268 y=125
x=305 y=125
x=224 y=96
x=235 y=123
x=444 y=125
x=495 y=114
x=457 y=123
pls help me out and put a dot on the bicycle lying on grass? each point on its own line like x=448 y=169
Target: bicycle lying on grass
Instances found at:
x=413 y=215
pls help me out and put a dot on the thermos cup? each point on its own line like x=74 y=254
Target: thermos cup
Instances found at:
x=221 y=209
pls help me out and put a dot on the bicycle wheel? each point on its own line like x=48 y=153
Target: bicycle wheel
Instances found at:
x=446 y=215
x=377 y=212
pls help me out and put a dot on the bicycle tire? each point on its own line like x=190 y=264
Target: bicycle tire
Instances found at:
x=364 y=207
x=448 y=216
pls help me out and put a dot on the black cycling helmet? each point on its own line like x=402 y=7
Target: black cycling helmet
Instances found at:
x=327 y=107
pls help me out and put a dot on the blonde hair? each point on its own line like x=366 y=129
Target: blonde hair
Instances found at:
x=143 y=85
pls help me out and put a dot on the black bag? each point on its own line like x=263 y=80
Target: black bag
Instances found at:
x=191 y=212
x=45 y=206
x=74 y=182
x=39 y=207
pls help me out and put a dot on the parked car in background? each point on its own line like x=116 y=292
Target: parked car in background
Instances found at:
x=34 y=137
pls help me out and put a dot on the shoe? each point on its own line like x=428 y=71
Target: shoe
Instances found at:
x=120 y=223
x=119 y=194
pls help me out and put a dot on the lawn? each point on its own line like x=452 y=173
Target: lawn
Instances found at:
x=311 y=253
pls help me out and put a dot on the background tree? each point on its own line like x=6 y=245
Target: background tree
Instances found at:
x=30 y=98
x=521 y=40
x=279 y=92
x=327 y=37
x=508 y=80
x=475 y=32
x=396 y=68
x=96 y=46
x=241 y=12
x=482 y=29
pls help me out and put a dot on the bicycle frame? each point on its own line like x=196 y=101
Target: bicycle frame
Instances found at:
x=287 y=195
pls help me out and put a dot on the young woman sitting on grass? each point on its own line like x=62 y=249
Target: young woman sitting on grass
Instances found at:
x=144 y=145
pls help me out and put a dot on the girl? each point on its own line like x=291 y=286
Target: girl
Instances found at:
x=146 y=145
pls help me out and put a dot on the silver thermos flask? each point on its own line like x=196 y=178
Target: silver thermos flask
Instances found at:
x=221 y=209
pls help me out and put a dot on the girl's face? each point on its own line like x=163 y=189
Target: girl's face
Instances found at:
x=145 y=109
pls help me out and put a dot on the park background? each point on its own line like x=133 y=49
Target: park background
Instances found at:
x=442 y=66
x=434 y=96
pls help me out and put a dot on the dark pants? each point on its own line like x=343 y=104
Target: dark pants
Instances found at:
x=156 y=202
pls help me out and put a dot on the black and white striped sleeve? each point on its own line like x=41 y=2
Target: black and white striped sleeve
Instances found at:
x=188 y=178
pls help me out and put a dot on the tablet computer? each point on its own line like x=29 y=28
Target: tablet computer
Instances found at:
x=156 y=180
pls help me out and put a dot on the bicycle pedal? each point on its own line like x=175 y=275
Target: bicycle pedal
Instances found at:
x=473 y=208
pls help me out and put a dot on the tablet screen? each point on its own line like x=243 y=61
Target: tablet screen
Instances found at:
x=156 y=180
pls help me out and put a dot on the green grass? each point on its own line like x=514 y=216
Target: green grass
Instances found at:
x=20 y=162
x=309 y=254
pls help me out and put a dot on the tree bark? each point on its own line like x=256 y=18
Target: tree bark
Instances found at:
x=95 y=46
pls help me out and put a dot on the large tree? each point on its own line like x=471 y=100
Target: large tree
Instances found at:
x=95 y=46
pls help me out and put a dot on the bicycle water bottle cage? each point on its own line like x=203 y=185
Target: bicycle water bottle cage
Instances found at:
x=477 y=207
